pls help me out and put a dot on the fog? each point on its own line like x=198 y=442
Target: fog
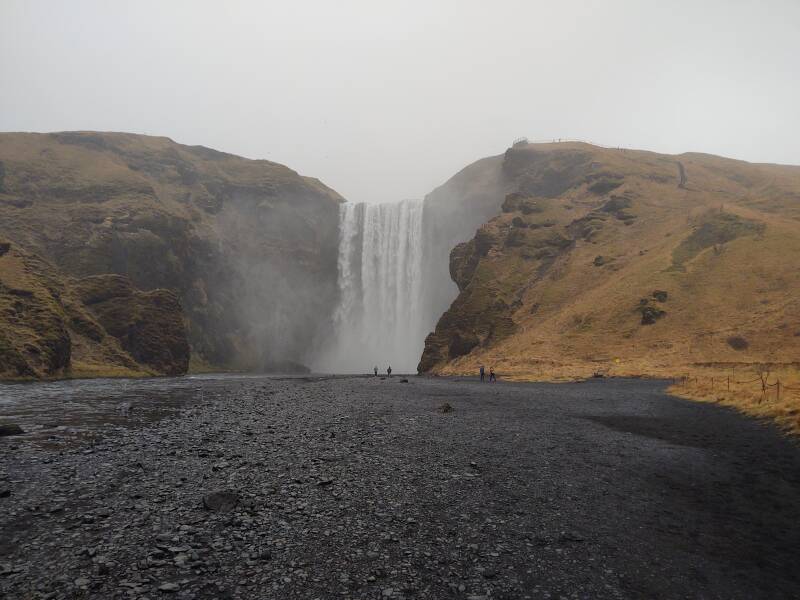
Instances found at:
x=386 y=100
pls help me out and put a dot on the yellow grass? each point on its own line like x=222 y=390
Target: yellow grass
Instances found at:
x=742 y=389
x=90 y=370
x=738 y=386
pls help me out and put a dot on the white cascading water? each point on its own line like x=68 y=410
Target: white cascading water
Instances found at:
x=378 y=321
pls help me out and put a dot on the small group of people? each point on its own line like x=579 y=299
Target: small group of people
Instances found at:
x=388 y=370
x=492 y=376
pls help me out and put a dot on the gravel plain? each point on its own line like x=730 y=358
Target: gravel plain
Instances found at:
x=369 y=487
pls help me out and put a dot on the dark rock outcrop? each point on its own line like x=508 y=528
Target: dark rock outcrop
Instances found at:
x=149 y=325
x=54 y=326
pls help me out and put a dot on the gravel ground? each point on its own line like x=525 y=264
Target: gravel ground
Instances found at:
x=375 y=488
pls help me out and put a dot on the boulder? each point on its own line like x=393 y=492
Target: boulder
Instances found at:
x=7 y=429
x=651 y=314
x=221 y=501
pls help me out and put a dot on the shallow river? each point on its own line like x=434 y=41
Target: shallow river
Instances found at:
x=78 y=406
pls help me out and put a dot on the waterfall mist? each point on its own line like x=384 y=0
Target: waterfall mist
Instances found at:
x=378 y=321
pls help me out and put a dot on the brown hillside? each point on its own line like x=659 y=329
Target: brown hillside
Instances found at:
x=56 y=326
x=249 y=246
x=624 y=262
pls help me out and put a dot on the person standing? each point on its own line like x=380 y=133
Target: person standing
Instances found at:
x=389 y=371
x=376 y=370
x=483 y=374
x=492 y=378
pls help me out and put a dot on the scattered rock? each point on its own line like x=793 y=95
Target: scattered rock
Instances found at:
x=364 y=514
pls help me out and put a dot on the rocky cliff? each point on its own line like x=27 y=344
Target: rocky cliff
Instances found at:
x=248 y=247
x=57 y=326
x=619 y=261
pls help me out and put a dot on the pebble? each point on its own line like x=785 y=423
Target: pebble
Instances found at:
x=169 y=587
x=353 y=488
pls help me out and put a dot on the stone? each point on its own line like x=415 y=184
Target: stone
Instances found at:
x=221 y=501
x=169 y=587
x=660 y=295
x=650 y=314
x=7 y=429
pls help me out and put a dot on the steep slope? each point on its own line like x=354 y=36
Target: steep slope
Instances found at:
x=50 y=325
x=623 y=262
x=249 y=246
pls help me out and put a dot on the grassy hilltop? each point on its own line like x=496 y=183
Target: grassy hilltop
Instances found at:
x=247 y=246
x=624 y=262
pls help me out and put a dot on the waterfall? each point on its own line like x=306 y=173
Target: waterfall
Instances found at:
x=378 y=320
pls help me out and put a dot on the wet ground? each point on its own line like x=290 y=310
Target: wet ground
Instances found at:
x=374 y=488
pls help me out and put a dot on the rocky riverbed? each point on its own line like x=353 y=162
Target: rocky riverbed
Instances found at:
x=255 y=487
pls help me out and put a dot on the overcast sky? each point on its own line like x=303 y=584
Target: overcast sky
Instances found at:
x=386 y=100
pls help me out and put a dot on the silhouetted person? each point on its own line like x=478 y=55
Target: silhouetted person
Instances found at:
x=376 y=371
x=389 y=371
x=492 y=377
x=483 y=374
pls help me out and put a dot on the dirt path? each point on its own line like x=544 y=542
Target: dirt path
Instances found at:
x=362 y=488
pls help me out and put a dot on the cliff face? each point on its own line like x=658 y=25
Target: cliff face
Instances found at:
x=247 y=246
x=622 y=262
x=56 y=326
x=149 y=326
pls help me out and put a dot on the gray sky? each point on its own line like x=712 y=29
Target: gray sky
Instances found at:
x=386 y=100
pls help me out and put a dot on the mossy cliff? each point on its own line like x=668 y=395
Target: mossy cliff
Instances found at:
x=247 y=247
x=56 y=326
